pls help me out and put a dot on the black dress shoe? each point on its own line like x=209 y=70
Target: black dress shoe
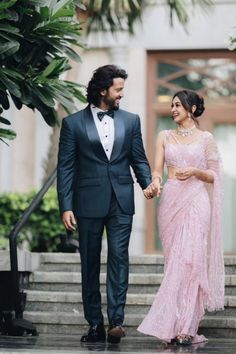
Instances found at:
x=115 y=333
x=96 y=333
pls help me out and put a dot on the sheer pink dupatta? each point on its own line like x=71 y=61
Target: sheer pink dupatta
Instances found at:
x=215 y=299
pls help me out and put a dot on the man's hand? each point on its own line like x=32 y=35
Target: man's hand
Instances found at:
x=153 y=190
x=147 y=193
x=155 y=187
x=68 y=219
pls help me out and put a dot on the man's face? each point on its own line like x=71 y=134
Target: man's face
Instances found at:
x=112 y=96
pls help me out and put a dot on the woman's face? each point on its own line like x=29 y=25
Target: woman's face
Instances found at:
x=178 y=112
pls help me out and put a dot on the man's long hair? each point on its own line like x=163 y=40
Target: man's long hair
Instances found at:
x=103 y=79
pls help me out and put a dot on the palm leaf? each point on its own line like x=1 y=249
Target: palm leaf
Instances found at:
x=50 y=116
x=109 y=15
x=37 y=39
x=17 y=101
x=9 y=29
x=56 y=66
x=7 y=134
x=10 y=85
x=39 y=3
x=4 y=121
x=180 y=9
x=60 y=5
x=6 y=4
x=43 y=95
x=9 y=48
x=12 y=73
x=4 y=101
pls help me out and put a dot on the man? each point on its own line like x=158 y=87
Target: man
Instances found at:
x=95 y=190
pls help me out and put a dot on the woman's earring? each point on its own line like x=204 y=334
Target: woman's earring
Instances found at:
x=189 y=116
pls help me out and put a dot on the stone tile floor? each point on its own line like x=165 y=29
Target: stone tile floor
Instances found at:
x=60 y=344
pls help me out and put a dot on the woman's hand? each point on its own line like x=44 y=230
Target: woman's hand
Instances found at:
x=148 y=193
x=185 y=173
x=154 y=189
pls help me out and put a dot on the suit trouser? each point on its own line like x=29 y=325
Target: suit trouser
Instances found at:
x=118 y=228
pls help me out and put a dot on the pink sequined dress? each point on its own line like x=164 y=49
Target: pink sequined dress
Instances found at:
x=189 y=218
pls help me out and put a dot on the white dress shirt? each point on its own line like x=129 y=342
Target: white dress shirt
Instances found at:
x=106 y=130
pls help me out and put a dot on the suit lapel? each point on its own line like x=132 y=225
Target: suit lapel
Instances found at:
x=119 y=135
x=93 y=135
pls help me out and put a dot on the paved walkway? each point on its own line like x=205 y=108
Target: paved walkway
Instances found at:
x=51 y=344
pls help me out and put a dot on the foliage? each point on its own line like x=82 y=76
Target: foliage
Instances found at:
x=44 y=226
x=231 y=40
x=111 y=15
x=36 y=39
x=181 y=8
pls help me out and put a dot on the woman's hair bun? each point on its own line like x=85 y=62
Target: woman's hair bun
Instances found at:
x=189 y=99
x=200 y=106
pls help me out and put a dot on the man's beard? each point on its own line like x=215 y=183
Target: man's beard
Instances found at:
x=111 y=103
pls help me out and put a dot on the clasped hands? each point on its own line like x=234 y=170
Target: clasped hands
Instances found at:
x=185 y=173
x=153 y=190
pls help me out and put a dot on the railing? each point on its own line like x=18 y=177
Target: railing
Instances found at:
x=18 y=296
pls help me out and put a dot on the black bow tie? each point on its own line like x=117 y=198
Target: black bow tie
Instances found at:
x=108 y=113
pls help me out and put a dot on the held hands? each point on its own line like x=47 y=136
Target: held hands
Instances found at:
x=154 y=189
x=185 y=173
x=68 y=219
x=147 y=193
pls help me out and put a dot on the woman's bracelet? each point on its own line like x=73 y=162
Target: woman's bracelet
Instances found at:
x=159 y=177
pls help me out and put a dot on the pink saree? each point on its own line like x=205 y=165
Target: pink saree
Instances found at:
x=189 y=218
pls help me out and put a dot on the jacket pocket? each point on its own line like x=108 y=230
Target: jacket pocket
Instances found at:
x=89 y=182
x=125 y=180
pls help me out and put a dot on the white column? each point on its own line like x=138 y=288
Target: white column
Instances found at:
x=119 y=55
x=42 y=143
x=6 y=156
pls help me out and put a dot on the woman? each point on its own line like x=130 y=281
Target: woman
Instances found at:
x=189 y=218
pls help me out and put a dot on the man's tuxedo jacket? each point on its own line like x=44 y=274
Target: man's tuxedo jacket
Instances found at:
x=86 y=177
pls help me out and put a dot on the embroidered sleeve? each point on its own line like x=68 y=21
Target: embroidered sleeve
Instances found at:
x=215 y=300
x=213 y=159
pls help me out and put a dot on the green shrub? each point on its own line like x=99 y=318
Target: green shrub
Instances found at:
x=42 y=229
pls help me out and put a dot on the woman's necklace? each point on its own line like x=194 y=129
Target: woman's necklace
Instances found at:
x=185 y=131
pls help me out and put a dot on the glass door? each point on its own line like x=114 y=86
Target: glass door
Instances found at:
x=212 y=75
x=226 y=140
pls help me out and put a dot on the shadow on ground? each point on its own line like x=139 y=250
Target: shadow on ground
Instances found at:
x=71 y=344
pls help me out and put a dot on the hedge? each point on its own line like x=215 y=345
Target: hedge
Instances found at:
x=41 y=234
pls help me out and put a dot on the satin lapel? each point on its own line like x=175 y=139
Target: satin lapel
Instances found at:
x=93 y=135
x=119 y=135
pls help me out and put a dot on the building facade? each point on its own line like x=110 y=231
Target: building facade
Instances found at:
x=160 y=60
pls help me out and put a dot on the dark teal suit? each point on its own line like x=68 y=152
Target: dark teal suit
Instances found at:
x=100 y=193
